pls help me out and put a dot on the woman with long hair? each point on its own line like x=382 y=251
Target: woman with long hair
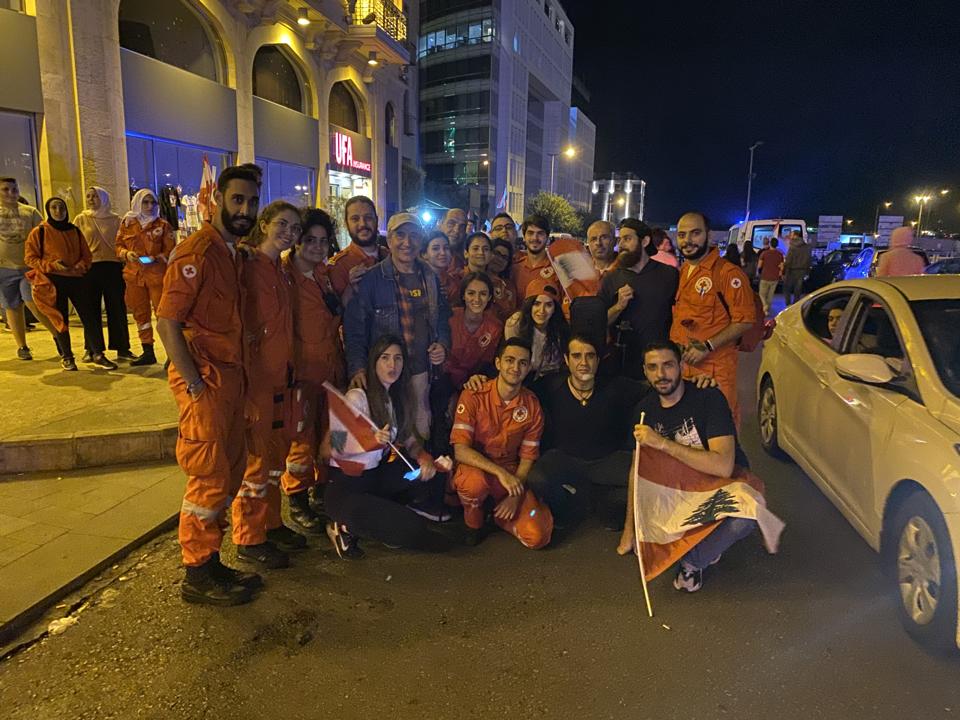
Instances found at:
x=436 y=254
x=474 y=330
x=477 y=253
x=258 y=531
x=144 y=243
x=501 y=260
x=540 y=322
x=318 y=358
x=367 y=493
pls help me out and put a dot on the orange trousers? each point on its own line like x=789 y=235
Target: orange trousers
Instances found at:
x=140 y=298
x=533 y=523
x=211 y=451
x=303 y=470
x=257 y=507
x=724 y=370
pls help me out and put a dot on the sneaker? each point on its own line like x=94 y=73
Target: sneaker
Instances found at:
x=68 y=363
x=688 y=578
x=286 y=539
x=266 y=555
x=101 y=360
x=222 y=573
x=126 y=355
x=87 y=358
x=24 y=353
x=344 y=543
x=437 y=512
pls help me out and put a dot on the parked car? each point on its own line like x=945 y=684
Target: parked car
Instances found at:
x=944 y=266
x=871 y=412
x=760 y=231
x=830 y=268
x=859 y=267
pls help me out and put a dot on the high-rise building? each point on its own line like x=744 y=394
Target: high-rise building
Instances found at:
x=495 y=87
x=617 y=196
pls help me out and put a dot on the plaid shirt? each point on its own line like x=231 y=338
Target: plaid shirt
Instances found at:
x=408 y=324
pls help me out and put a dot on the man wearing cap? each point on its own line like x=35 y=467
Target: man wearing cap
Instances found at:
x=400 y=296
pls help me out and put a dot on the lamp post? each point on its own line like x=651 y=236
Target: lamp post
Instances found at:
x=876 y=222
x=569 y=152
x=921 y=200
x=752 y=148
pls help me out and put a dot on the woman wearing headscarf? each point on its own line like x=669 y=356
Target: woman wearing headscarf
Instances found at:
x=99 y=225
x=59 y=258
x=144 y=242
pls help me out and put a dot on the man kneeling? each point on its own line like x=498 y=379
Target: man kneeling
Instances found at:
x=496 y=438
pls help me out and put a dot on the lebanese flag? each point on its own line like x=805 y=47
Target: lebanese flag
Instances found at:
x=675 y=507
x=574 y=267
x=208 y=183
x=351 y=432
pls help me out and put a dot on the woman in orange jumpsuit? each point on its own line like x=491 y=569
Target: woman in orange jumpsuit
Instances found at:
x=258 y=532
x=318 y=358
x=144 y=243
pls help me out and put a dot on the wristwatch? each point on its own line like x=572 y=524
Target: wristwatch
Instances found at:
x=709 y=345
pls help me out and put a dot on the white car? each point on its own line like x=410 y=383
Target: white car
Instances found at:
x=872 y=414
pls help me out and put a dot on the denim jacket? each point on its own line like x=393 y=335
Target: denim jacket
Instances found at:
x=372 y=312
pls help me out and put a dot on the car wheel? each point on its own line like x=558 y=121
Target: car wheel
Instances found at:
x=924 y=572
x=767 y=417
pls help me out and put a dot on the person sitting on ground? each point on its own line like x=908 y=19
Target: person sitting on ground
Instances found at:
x=540 y=324
x=496 y=439
x=695 y=427
x=366 y=493
x=477 y=254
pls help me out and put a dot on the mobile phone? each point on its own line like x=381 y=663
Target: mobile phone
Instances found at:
x=145 y=259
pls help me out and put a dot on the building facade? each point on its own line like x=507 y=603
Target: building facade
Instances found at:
x=617 y=196
x=495 y=88
x=127 y=94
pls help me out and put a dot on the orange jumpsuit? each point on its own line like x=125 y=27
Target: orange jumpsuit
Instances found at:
x=268 y=326
x=202 y=292
x=700 y=313
x=506 y=433
x=524 y=271
x=471 y=350
x=346 y=260
x=504 y=300
x=318 y=358
x=69 y=247
x=144 y=282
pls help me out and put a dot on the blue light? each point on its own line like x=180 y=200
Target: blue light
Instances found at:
x=533 y=512
x=426 y=216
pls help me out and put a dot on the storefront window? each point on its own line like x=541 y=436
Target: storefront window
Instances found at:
x=285 y=181
x=17 y=153
x=171 y=32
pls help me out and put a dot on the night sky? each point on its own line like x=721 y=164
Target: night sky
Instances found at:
x=857 y=102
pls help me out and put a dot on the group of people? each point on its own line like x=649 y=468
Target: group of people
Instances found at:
x=406 y=379
x=98 y=261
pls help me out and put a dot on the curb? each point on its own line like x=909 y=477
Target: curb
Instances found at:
x=84 y=449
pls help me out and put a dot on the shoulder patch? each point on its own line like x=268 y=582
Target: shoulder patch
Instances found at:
x=735 y=283
x=189 y=271
x=461 y=409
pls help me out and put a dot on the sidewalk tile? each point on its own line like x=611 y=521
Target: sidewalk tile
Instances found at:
x=59 y=517
x=144 y=510
x=13 y=552
x=9 y=524
x=37 y=533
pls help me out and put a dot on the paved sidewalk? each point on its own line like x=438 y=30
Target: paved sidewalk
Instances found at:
x=58 y=530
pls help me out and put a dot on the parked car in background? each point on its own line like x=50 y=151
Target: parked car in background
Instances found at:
x=758 y=231
x=830 y=268
x=944 y=266
x=869 y=407
x=859 y=267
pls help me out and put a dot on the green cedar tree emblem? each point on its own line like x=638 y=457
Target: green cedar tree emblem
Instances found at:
x=721 y=502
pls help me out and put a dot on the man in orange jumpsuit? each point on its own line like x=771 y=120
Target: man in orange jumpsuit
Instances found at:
x=496 y=438
x=714 y=307
x=534 y=262
x=200 y=324
x=144 y=243
x=364 y=250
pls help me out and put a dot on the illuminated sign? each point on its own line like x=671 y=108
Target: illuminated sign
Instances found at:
x=349 y=152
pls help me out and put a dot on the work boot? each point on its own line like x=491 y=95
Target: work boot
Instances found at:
x=221 y=572
x=266 y=555
x=286 y=539
x=101 y=360
x=303 y=515
x=126 y=355
x=148 y=358
x=200 y=586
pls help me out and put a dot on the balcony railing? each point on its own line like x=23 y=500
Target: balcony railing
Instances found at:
x=387 y=16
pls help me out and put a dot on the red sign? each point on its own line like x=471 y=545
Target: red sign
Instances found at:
x=349 y=152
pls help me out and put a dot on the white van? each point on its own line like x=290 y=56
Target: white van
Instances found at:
x=759 y=232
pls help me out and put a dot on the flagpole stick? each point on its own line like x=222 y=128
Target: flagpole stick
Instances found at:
x=636 y=524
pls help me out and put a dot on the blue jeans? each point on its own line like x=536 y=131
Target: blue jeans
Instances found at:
x=716 y=543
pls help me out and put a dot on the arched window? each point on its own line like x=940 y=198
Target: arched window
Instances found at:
x=171 y=32
x=390 y=125
x=276 y=79
x=343 y=108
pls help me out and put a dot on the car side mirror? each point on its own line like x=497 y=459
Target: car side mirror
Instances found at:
x=863 y=367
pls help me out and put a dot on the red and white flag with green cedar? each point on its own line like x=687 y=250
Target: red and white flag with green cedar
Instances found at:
x=574 y=267
x=351 y=432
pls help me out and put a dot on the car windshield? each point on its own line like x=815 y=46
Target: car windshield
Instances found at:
x=938 y=321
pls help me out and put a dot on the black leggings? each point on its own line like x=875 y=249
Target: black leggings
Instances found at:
x=373 y=506
x=77 y=290
x=107 y=286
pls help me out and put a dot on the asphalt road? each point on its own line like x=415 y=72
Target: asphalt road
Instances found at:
x=500 y=631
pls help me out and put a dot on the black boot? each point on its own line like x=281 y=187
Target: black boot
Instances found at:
x=286 y=539
x=303 y=515
x=221 y=572
x=266 y=555
x=148 y=358
x=200 y=586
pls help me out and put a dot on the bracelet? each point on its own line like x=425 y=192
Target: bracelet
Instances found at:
x=194 y=384
x=709 y=345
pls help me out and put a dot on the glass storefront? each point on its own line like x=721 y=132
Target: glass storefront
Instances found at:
x=18 y=156
x=285 y=181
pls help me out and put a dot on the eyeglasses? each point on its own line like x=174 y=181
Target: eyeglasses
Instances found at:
x=284 y=226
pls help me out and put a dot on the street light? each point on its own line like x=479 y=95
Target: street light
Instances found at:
x=921 y=200
x=876 y=222
x=758 y=143
x=569 y=152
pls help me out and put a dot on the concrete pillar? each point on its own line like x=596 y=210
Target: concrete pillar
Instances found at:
x=245 y=145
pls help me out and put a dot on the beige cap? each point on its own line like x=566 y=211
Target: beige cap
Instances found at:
x=402 y=219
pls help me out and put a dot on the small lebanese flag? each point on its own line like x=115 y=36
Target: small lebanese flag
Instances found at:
x=208 y=182
x=351 y=432
x=676 y=507
x=574 y=267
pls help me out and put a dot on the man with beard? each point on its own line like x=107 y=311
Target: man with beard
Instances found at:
x=534 y=262
x=364 y=250
x=454 y=226
x=638 y=294
x=200 y=323
x=715 y=306
x=502 y=227
x=693 y=426
x=600 y=242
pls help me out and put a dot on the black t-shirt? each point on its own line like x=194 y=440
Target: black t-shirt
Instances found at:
x=594 y=430
x=650 y=313
x=699 y=416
